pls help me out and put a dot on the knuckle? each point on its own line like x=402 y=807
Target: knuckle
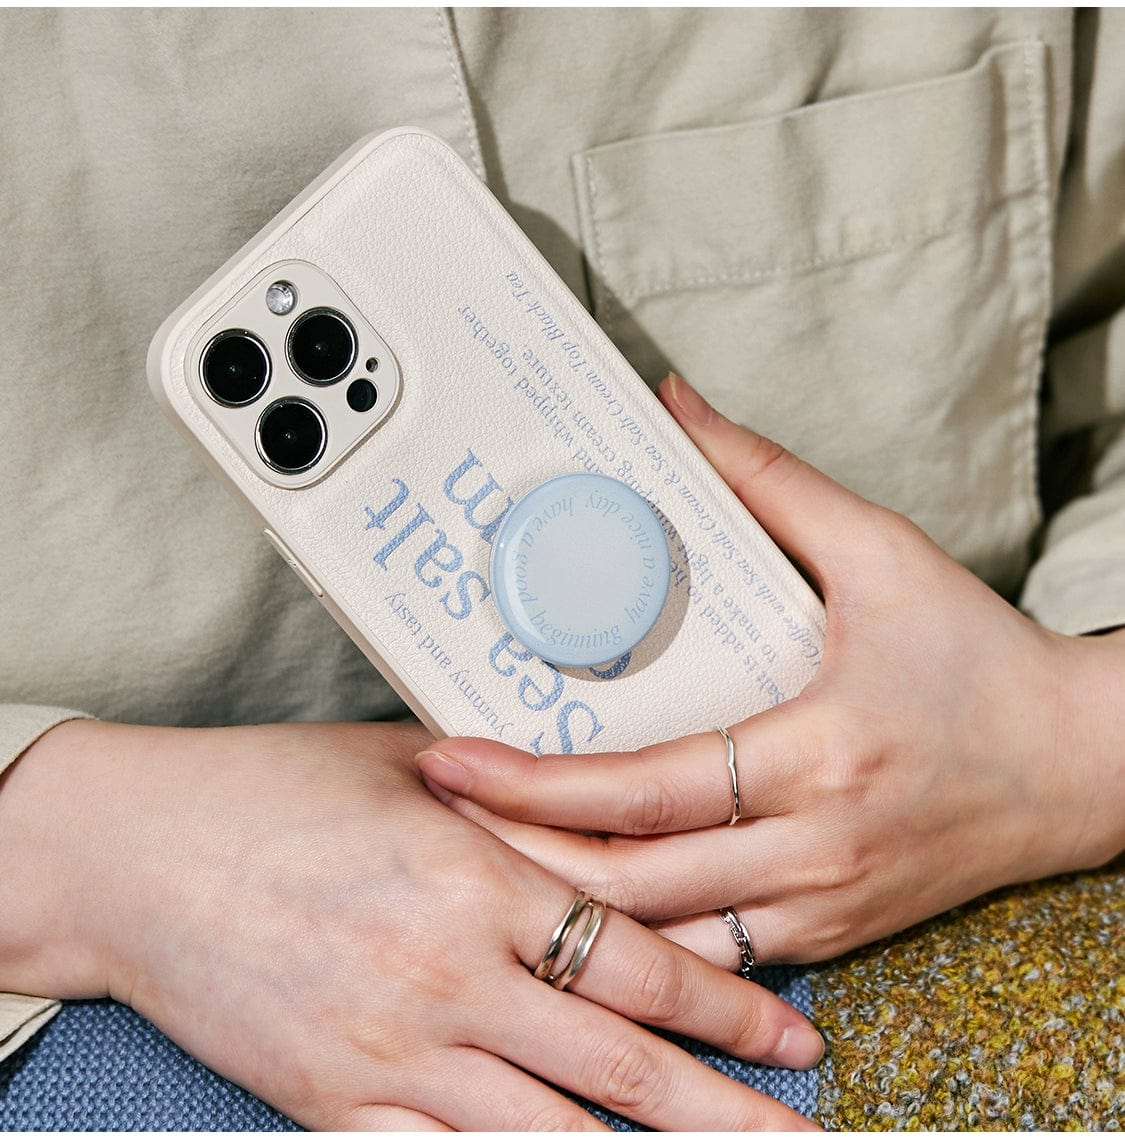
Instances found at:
x=844 y=874
x=610 y=880
x=661 y=990
x=490 y=878
x=812 y=933
x=766 y=455
x=649 y=807
x=852 y=780
x=848 y=758
x=894 y=543
x=622 y=895
x=897 y=531
x=624 y=886
x=834 y=875
x=831 y=938
x=633 y=1078
x=848 y=865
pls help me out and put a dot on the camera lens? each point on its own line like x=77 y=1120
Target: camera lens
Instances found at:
x=322 y=346
x=291 y=435
x=236 y=368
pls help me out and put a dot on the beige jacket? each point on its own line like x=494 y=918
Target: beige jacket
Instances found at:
x=854 y=230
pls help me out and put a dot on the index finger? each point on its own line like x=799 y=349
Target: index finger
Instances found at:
x=673 y=786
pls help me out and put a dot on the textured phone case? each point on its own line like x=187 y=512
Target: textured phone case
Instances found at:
x=506 y=381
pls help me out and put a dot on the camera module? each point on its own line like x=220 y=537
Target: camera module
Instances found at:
x=235 y=368
x=322 y=346
x=291 y=435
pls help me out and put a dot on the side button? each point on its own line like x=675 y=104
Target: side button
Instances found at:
x=291 y=559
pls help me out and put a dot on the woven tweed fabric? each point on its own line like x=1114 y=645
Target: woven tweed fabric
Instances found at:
x=100 y=1066
x=1008 y=1013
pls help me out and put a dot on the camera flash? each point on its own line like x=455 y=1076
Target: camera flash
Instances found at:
x=281 y=297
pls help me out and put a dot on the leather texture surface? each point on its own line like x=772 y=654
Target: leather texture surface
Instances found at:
x=506 y=381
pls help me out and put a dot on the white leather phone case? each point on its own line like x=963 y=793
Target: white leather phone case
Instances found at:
x=396 y=536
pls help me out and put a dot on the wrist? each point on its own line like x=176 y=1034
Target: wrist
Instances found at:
x=1089 y=748
x=76 y=820
x=44 y=946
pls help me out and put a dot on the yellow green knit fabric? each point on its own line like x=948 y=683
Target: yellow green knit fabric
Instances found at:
x=1008 y=1013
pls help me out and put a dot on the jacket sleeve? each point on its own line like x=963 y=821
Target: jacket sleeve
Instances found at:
x=1077 y=584
x=20 y=727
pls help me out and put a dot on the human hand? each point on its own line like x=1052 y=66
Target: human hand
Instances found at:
x=292 y=907
x=946 y=746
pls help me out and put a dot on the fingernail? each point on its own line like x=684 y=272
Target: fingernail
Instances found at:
x=690 y=403
x=799 y=1048
x=436 y=791
x=443 y=772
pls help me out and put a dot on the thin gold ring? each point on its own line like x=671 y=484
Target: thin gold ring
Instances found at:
x=585 y=907
x=736 y=811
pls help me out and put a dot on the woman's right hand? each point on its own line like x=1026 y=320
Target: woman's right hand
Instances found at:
x=291 y=906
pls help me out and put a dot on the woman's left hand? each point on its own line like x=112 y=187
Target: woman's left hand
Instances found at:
x=947 y=745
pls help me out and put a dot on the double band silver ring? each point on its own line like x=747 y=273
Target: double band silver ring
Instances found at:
x=736 y=811
x=584 y=908
x=741 y=940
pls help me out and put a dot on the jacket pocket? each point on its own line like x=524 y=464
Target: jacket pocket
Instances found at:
x=866 y=280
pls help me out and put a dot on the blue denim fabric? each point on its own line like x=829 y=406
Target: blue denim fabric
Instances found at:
x=100 y=1066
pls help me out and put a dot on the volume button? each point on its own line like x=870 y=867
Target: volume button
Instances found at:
x=294 y=562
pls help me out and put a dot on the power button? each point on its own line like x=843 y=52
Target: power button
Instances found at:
x=294 y=562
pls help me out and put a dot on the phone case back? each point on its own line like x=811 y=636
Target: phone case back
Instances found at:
x=506 y=381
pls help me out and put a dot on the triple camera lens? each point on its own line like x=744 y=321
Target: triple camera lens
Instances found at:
x=322 y=346
x=236 y=368
x=291 y=434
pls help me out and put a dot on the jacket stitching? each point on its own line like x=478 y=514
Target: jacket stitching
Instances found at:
x=459 y=85
x=602 y=297
x=736 y=277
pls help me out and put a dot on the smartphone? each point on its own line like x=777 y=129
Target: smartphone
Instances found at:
x=385 y=376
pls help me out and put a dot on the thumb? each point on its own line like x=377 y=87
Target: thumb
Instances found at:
x=815 y=520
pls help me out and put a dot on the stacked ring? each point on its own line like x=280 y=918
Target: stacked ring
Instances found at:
x=585 y=907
